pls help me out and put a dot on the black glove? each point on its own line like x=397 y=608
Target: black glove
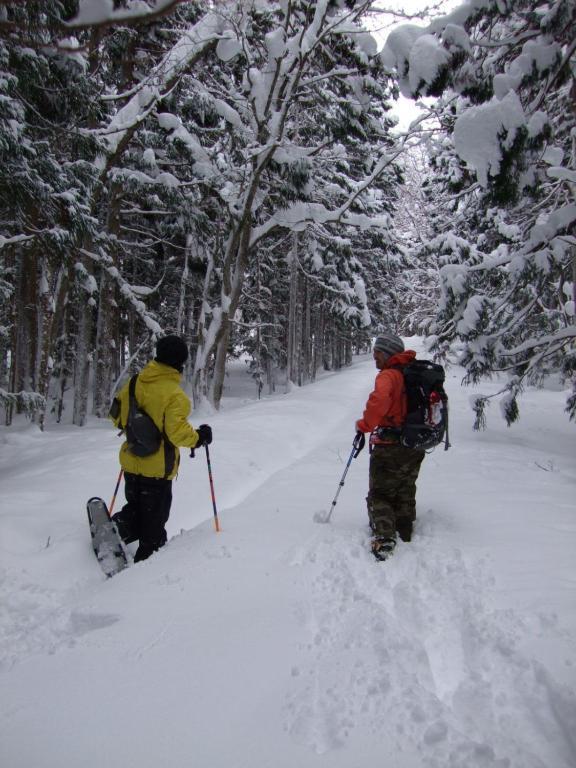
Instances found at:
x=205 y=433
x=359 y=442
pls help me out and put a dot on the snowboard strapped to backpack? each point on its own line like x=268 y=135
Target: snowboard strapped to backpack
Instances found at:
x=142 y=435
x=426 y=422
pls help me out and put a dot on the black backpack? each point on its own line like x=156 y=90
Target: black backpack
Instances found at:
x=426 y=422
x=142 y=435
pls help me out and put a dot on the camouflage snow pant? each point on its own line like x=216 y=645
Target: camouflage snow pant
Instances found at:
x=392 y=490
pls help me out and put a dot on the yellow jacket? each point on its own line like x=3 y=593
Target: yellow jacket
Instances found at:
x=158 y=392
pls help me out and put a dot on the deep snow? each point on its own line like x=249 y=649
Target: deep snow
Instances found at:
x=279 y=642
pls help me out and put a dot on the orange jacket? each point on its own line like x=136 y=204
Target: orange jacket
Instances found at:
x=386 y=406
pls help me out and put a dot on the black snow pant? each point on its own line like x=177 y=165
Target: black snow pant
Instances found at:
x=392 y=493
x=146 y=512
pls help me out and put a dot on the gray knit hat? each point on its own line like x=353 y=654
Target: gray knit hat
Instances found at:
x=389 y=343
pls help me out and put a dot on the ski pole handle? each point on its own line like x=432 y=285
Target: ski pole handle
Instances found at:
x=359 y=442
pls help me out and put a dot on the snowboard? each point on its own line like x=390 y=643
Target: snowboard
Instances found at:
x=106 y=542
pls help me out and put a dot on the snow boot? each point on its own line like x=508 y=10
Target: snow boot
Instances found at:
x=383 y=547
x=126 y=526
x=404 y=527
x=147 y=548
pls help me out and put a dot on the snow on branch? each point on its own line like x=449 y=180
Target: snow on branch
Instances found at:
x=416 y=55
x=478 y=132
x=300 y=215
x=188 y=49
x=542 y=234
x=29 y=403
x=402 y=13
x=553 y=340
x=558 y=221
x=101 y=13
x=126 y=290
x=4 y=241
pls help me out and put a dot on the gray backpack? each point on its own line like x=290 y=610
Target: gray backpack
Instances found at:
x=142 y=435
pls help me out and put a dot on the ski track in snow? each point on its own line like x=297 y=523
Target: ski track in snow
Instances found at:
x=410 y=647
x=40 y=621
x=408 y=664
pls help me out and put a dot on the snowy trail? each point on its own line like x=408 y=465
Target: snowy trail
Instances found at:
x=280 y=642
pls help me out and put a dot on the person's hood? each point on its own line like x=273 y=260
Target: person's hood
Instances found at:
x=402 y=358
x=155 y=371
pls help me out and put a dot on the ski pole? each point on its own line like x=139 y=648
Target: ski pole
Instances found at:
x=115 y=492
x=357 y=446
x=216 y=523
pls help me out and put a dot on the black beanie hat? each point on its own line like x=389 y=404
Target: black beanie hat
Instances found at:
x=172 y=350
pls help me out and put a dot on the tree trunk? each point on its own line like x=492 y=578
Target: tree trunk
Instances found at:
x=307 y=334
x=23 y=342
x=200 y=372
x=61 y=385
x=181 y=317
x=52 y=293
x=106 y=365
x=292 y=340
x=82 y=365
x=220 y=361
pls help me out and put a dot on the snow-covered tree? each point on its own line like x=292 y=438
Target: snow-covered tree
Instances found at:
x=45 y=178
x=507 y=177
x=161 y=159
x=266 y=71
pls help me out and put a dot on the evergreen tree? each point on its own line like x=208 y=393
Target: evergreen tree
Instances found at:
x=45 y=179
x=507 y=180
x=223 y=172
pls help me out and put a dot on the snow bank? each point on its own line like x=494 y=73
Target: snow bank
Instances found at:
x=280 y=642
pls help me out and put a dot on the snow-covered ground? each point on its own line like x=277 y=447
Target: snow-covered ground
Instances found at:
x=279 y=642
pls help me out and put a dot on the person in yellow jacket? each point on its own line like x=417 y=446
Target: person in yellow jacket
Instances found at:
x=148 y=479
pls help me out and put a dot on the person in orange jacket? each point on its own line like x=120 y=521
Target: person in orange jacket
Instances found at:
x=394 y=468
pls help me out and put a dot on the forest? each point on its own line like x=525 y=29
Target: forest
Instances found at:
x=230 y=171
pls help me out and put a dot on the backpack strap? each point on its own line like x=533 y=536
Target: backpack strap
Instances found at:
x=132 y=389
x=132 y=402
x=447 y=443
